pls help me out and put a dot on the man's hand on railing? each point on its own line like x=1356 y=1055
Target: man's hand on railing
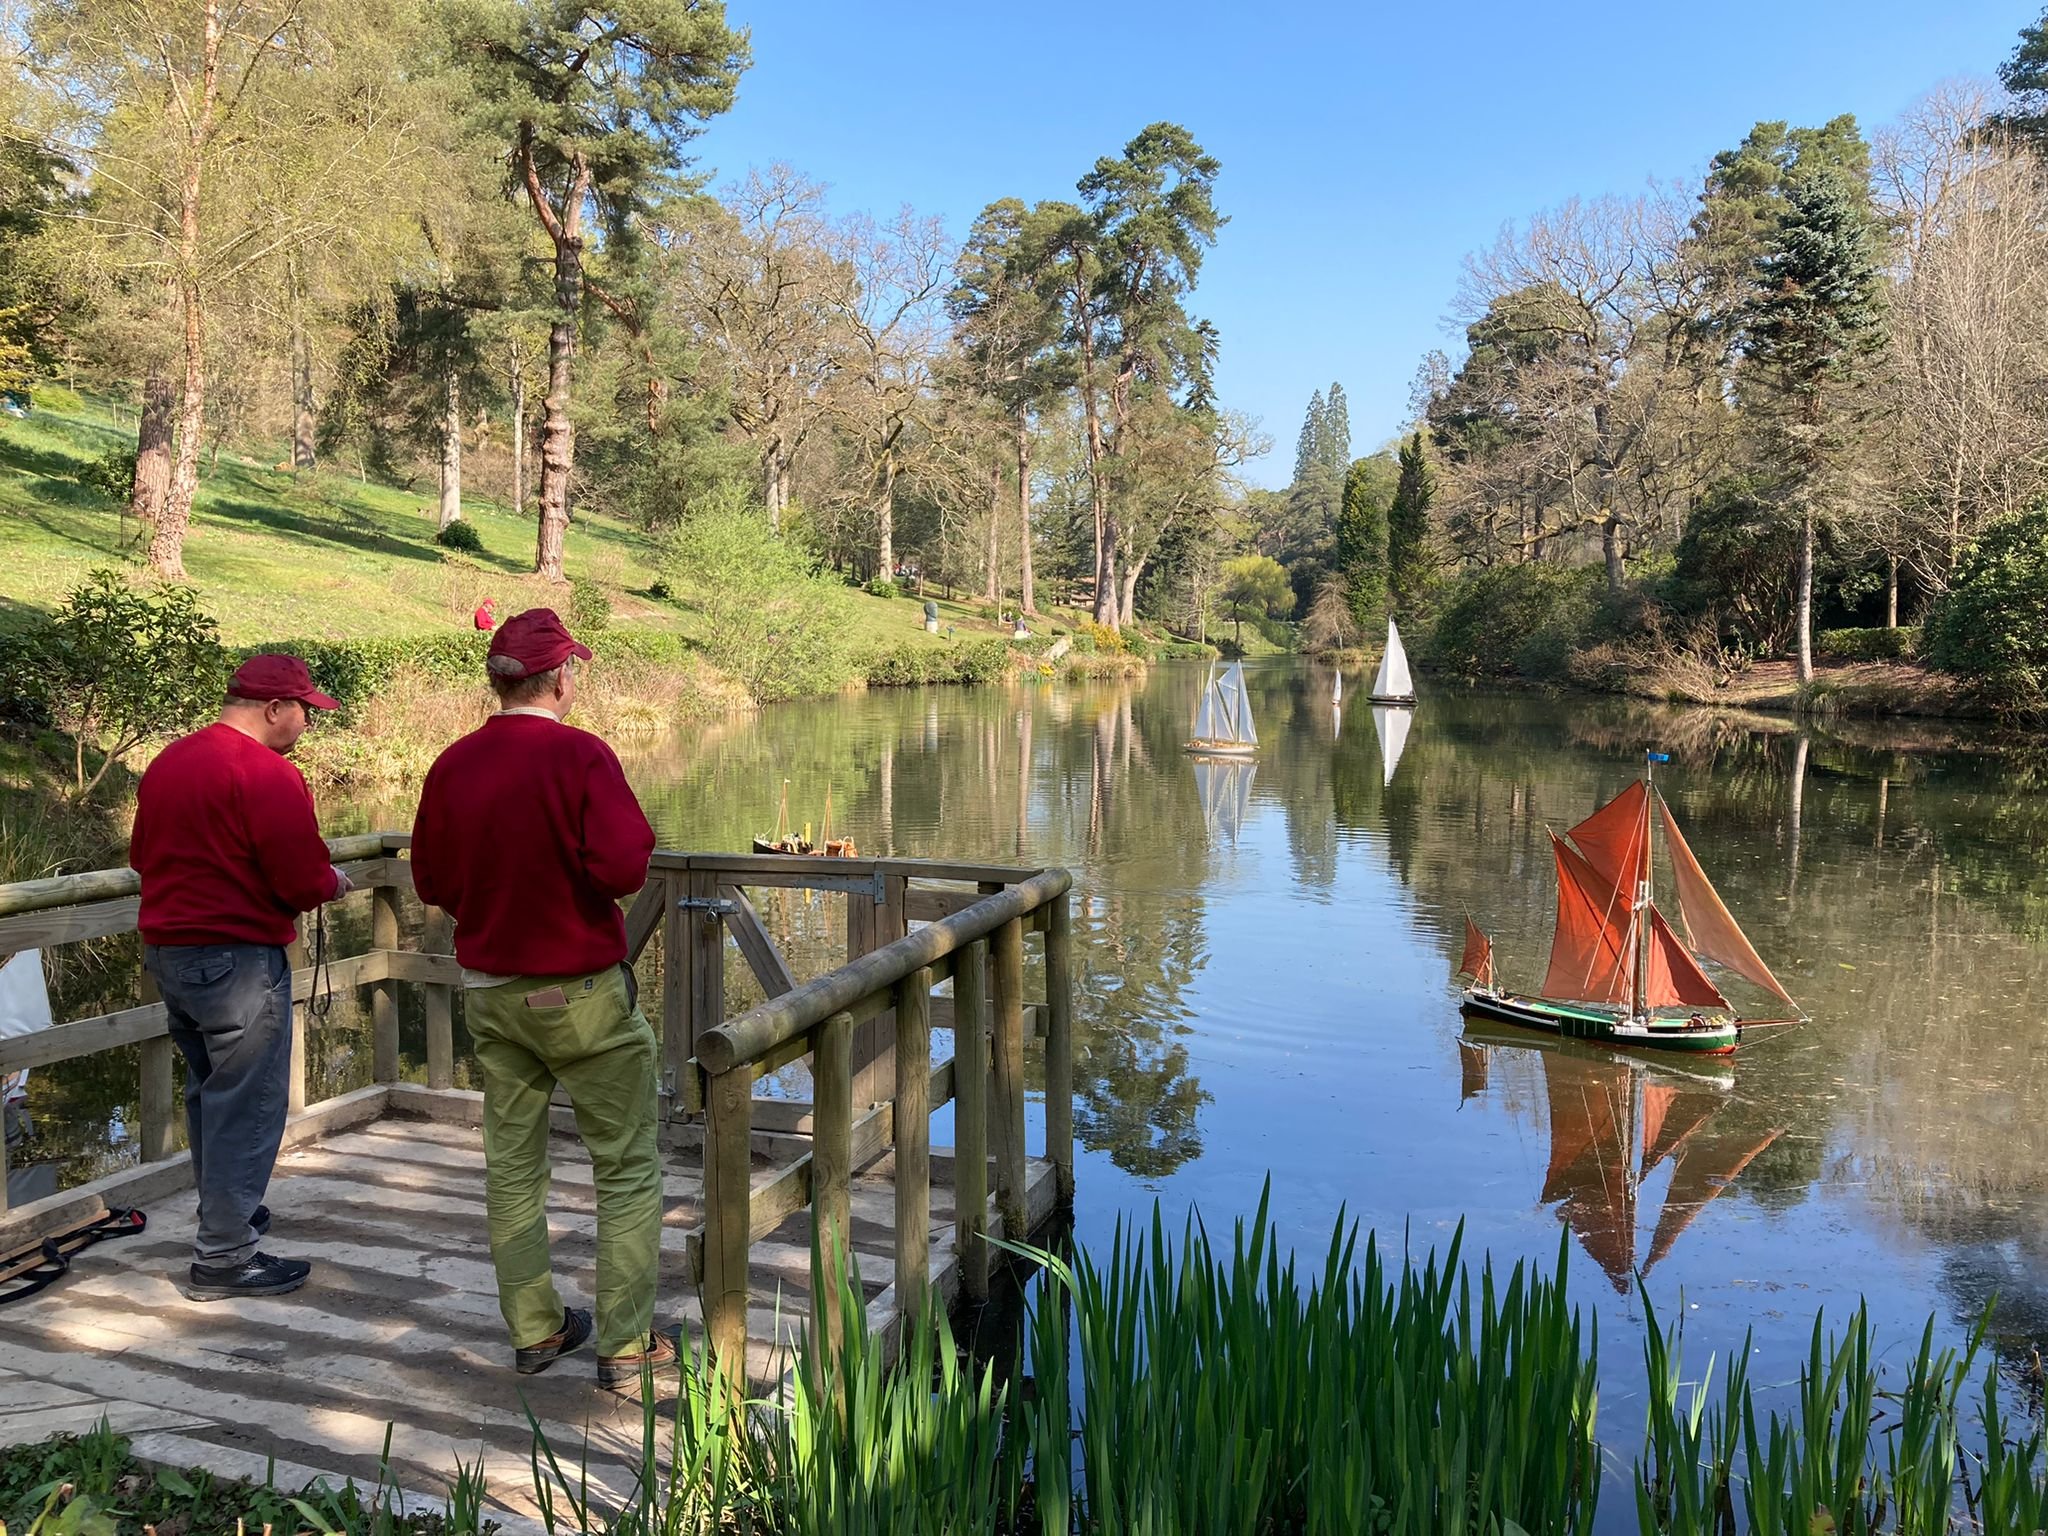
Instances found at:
x=342 y=884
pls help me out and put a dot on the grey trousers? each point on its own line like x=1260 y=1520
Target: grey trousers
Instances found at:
x=231 y=1018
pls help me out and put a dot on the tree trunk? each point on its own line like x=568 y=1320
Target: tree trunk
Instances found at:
x=775 y=482
x=991 y=587
x=558 y=432
x=153 y=448
x=1891 y=592
x=451 y=450
x=1026 y=599
x=302 y=376
x=518 y=438
x=1610 y=550
x=1127 y=607
x=1804 y=616
x=167 y=545
x=885 y=521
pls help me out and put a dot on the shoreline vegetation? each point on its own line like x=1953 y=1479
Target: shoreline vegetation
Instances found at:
x=1178 y=1385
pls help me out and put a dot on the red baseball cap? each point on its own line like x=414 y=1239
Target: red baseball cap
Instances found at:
x=536 y=639
x=277 y=677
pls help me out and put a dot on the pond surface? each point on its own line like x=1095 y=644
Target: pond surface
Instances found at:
x=1266 y=989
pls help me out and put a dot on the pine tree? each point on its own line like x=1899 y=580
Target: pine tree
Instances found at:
x=1308 y=444
x=1815 y=324
x=1408 y=525
x=1361 y=532
x=1333 y=442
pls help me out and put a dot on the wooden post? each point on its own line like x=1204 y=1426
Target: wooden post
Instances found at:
x=970 y=1116
x=155 y=1131
x=158 y=1063
x=1008 y=1051
x=440 y=1000
x=295 y=1090
x=870 y=1040
x=832 y=1175
x=728 y=1188
x=678 y=1038
x=707 y=957
x=1059 y=1047
x=913 y=1140
x=384 y=994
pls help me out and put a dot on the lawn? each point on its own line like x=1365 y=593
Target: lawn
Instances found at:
x=324 y=555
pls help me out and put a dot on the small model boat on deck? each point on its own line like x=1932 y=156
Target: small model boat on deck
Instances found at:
x=833 y=847
x=1223 y=723
x=1619 y=973
x=1393 y=684
x=784 y=840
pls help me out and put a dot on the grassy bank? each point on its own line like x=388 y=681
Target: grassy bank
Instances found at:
x=347 y=572
x=1177 y=1386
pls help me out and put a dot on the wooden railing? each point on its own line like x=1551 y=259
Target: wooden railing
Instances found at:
x=866 y=1027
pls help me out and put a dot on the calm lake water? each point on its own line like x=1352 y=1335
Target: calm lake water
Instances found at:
x=1266 y=988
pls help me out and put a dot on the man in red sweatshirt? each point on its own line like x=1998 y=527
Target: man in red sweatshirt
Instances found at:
x=528 y=835
x=230 y=853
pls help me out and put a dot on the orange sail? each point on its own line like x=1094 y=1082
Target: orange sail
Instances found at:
x=1672 y=978
x=1616 y=840
x=1478 y=958
x=1590 y=954
x=1709 y=927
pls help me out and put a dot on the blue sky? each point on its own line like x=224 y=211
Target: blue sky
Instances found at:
x=1365 y=149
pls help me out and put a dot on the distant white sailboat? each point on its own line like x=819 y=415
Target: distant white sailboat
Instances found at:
x=1223 y=723
x=1393 y=685
x=1390 y=724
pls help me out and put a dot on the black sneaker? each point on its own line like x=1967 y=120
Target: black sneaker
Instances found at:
x=566 y=1340
x=260 y=1275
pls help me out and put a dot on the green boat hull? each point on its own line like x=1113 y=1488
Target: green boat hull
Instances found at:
x=1709 y=1035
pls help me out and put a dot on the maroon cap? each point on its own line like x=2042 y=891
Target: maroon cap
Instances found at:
x=536 y=639
x=277 y=677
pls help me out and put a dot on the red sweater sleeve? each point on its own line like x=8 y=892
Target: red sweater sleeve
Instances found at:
x=617 y=840
x=284 y=835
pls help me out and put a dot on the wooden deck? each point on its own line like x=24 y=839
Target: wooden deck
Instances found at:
x=399 y=1325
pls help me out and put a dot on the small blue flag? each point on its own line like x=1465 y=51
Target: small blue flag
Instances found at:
x=1658 y=757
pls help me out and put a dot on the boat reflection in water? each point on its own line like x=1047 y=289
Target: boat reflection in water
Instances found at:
x=1636 y=1150
x=1225 y=788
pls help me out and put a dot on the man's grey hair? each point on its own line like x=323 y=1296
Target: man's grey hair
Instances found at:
x=513 y=687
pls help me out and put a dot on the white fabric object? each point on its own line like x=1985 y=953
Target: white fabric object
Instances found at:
x=24 y=997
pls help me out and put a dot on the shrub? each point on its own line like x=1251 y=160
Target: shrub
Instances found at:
x=590 y=611
x=1099 y=638
x=461 y=534
x=772 y=622
x=120 y=665
x=881 y=586
x=112 y=474
x=1900 y=643
x=1516 y=620
x=1991 y=626
x=661 y=591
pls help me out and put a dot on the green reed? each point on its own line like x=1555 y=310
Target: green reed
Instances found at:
x=1849 y=1458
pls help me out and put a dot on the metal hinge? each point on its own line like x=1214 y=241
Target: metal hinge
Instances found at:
x=668 y=1083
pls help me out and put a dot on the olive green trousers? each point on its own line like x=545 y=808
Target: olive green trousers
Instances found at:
x=597 y=1045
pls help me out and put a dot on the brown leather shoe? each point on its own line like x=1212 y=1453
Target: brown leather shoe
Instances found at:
x=565 y=1340
x=620 y=1373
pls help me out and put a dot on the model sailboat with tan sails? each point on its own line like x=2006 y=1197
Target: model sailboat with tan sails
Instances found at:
x=1619 y=972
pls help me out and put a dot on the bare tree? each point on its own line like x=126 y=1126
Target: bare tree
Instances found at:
x=1969 y=418
x=890 y=313
x=755 y=275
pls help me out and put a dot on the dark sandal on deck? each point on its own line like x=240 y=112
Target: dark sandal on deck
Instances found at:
x=566 y=1340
